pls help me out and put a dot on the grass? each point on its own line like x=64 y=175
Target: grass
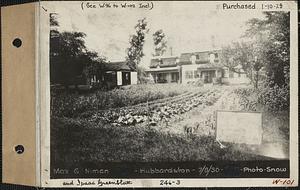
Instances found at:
x=74 y=141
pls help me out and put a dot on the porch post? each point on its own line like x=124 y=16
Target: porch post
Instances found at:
x=180 y=74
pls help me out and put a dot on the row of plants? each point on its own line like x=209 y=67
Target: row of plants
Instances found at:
x=66 y=104
x=161 y=112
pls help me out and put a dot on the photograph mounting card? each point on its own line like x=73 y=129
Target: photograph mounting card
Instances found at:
x=167 y=93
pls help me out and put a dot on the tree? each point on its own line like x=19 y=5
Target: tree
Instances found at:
x=95 y=66
x=70 y=61
x=53 y=26
x=160 y=43
x=53 y=19
x=243 y=54
x=68 y=57
x=135 y=51
x=272 y=38
x=272 y=35
x=54 y=44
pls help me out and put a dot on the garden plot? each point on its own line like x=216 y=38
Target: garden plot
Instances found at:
x=73 y=105
x=153 y=112
x=178 y=128
x=200 y=121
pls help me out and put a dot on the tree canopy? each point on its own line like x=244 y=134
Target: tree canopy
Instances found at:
x=266 y=46
x=136 y=41
x=70 y=60
x=160 y=43
x=272 y=38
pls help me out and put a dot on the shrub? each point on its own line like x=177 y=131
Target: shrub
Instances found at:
x=217 y=80
x=272 y=98
x=247 y=98
x=199 y=82
x=275 y=98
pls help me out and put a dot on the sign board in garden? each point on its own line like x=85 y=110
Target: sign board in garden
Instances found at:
x=239 y=127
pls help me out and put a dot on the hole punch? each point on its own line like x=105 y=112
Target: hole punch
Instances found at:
x=17 y=42
x=19 y=149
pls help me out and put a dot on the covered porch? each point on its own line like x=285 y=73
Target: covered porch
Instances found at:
x=209 y=75
x=165 y=75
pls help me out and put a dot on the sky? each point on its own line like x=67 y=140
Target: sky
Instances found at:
x=188 y=26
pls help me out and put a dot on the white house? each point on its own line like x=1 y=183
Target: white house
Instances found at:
x=190 y=67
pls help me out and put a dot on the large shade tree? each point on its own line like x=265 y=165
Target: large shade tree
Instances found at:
x=242 y=57
x=70 y=61
x=267 y=48
x=272 y=36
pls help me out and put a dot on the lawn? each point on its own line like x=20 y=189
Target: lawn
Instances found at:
x=74 y=141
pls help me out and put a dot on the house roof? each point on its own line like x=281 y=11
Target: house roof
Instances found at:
x=209 y=66
x=184 y=59
x=202 y=57
x=163 y=62
x=162 y=69
x=117 y=66
x=199 y=66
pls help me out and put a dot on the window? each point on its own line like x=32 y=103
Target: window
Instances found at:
x=197 y=57
x=188 y=74
x=212 y=58
x=162 y=78
x=216 y=55
x=193 y=59
x=196 y=74
x=174 y=77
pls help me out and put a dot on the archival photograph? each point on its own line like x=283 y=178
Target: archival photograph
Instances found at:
x=167 y=82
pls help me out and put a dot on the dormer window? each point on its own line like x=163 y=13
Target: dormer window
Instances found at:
x=193 y=59
x=211 y=57
x=177 y=61
x=159 y=63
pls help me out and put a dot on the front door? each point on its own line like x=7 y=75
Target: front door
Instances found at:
x=208 y=76
x=126 y=78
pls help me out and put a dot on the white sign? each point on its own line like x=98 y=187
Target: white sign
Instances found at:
x=239 y=127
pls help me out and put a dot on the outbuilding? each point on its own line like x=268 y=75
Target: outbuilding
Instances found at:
x=119 y=74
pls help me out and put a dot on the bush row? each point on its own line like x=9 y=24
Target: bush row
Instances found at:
x=273 y=98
